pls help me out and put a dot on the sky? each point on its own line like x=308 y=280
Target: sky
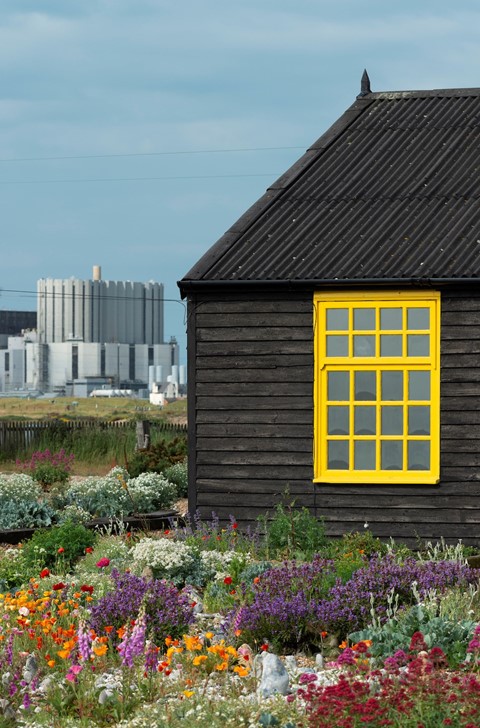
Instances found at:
x=134 y=133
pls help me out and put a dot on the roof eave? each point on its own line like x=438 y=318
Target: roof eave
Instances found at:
x=197 y=286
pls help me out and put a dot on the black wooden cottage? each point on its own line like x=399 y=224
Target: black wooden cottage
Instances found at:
x=334 y=330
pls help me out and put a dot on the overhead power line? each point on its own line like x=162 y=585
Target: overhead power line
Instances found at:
x=136 y=179
x=147 y=154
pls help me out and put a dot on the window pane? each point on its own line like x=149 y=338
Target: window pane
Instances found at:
x=418 y=345
x=337 y=319
x=364 y=453
x=337 y=345
x=391 y=318
x=392 y=420
x=419 y=455
x=392 y=386
x=338 y=386
x=392 y=455
x=338 y=420
x=419 y=420
x=338 y=455
x=364 y=346
x=365 y=386
x=418 y=385
x=418 y=318
x=364 y=319
x=390 y=345
x=365 y=421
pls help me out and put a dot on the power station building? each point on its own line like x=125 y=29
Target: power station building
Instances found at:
x=96 y=333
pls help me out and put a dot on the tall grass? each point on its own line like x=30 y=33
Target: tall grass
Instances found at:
x=93 y=447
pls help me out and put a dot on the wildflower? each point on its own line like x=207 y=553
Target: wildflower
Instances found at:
x=103 y=562
x=188 y=693
x=44 y=573
x=234 y=525
x=86 y=588
x=167 y=531
x=89 y=550
x=264 y=647
x=59 y=586
x=228 y=580
x=61 y=550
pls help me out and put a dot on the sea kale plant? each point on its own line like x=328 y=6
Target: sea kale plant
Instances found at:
x=117 y=494
x=22 y=503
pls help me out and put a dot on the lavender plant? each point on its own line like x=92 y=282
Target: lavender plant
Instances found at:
x=293 y=604
x=168 y=611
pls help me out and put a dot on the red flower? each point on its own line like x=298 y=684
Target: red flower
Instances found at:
x=103 y=562
x=166 y=532
x=88 y=550
x=60 y=550
x=44 y=573
x=86 y=588
x=264 y=647
x=234 y=525
x=59 y=586
x=228 y=580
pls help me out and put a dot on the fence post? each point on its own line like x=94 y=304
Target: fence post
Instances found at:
x=143 y=434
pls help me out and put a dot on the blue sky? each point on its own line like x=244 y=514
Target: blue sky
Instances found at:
x=116 y=117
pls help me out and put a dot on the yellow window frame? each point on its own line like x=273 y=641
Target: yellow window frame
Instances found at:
x=347 y=361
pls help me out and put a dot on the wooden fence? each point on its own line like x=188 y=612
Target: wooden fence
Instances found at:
x=18 y=435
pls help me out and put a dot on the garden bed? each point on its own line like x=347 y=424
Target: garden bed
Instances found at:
x=143 y=521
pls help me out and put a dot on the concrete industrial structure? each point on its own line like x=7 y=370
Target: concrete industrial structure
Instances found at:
x=93 y=333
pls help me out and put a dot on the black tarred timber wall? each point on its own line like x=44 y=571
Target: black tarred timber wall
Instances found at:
x=251 y=422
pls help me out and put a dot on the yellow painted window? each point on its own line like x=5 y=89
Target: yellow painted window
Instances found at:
x=377 y=387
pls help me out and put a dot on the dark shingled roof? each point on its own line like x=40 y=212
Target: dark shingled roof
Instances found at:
x=390 y=192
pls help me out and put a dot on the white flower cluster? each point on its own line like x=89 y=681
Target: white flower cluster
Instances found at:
x=116 y=493
x=151 y=491
x=99 y=496
x=165 y=557
x=19 y=487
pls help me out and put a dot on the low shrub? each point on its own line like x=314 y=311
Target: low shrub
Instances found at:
x=158 y=456
x=293 y=533
x=48 y=467
x=58 y=547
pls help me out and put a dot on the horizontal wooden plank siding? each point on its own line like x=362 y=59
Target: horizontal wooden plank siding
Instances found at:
x=251 y=422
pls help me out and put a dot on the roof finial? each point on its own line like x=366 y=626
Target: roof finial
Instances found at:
x=365 y=84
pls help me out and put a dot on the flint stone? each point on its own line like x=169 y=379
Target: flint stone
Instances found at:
x=274 y=676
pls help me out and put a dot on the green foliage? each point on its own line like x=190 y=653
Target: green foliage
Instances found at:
x=158 y=457
x=452 y=636
x=217 y=597
x=178 y=475
x=293 y=533
x=358 y=542
x=42 y=549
